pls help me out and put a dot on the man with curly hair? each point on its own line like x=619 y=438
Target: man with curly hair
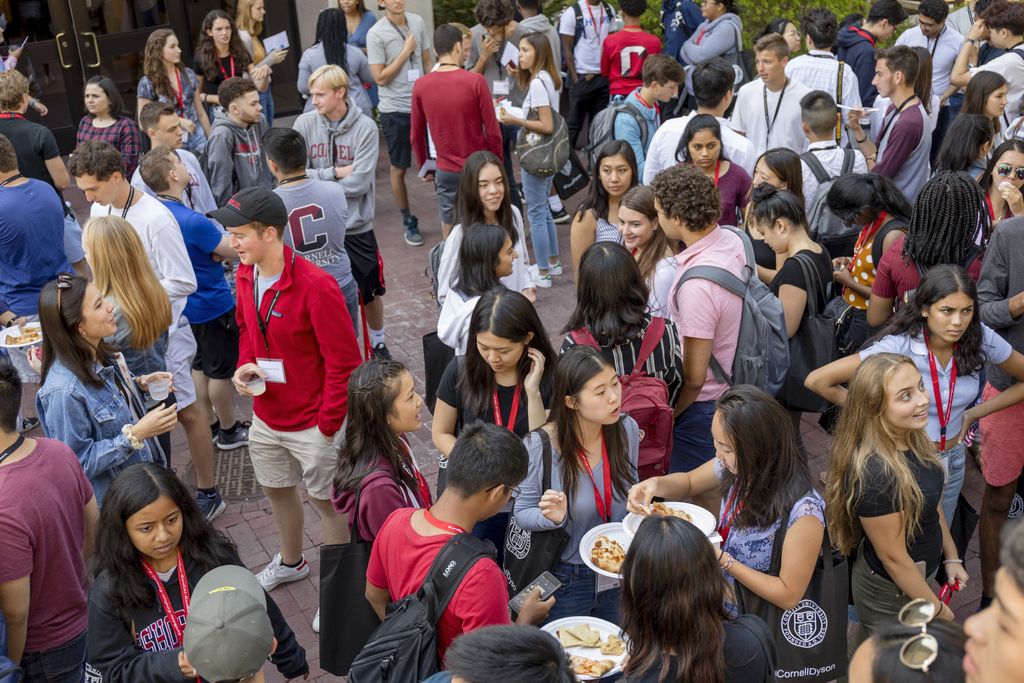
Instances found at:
x=706 y=314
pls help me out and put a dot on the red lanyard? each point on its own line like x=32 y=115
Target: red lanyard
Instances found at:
x=724 y=527
x=868 y=234
x=511 y=424
x=597 y=26
x=864 y=34
x=944 y=415
x=718 y=167
x=421 y=484
x=11 y=115
x=992 y=211
x=604 y=505
x=700 y=36
x=443 y=526
x=165 y=602
x=220 y=65
x=181 y=93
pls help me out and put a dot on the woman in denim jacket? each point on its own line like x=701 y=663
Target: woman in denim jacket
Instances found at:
x=88 y=399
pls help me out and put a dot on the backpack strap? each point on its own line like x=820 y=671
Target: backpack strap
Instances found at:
x=652 y=337
x=811 y=280
x=817 y=168
x=585 y=337
x=578 y=30
x=446 y=572
x=839 y=100
x=848 y=158
x=720 y=276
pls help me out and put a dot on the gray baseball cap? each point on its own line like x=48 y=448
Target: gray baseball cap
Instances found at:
x=228 y=634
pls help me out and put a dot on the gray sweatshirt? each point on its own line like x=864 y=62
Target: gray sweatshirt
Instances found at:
x=358 y=72
x=541 y=24
x=235 y=158
x=351 y=142
x=317 y=212
x=1002 y=278
x=718 y=38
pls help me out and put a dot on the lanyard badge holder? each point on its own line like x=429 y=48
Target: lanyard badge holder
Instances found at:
x=273 y=368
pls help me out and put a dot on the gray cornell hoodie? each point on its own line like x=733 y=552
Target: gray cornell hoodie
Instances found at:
x=235 y=158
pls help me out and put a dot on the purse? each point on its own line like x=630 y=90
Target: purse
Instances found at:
x=812 y=347
x=528 y=554
x=810 y=638
x=543 y=155
x=436 y=357
x=346 y=618
x=572 y=178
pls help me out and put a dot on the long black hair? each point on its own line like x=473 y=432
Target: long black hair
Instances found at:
x=1011 y=145
x=468 y=207
x=507 y=315
x=964 y=139
x=597 y=197
x=695 y=125
x=136 y=487
x=769 y=203
x=611 y=295
x=853 y=194
x=372 y=390
x=332 y=33
x=938 y=282
x=60 y=313
x=478 y=258
x=950 y=221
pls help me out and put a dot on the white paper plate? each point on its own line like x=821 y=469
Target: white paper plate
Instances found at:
x=701 y=518
x=605 y=628
x=613 y=531
x=15 y=331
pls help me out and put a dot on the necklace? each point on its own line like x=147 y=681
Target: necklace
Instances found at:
x=292 y=179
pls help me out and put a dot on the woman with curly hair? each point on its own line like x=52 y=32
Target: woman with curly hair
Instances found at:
x=167 y=80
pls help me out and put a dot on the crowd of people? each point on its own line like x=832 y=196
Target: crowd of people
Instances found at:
x=831 y=228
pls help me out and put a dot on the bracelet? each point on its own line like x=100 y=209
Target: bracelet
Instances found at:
x=960 y=562
x=863 y=139
x=728 y=564
x=133 y=441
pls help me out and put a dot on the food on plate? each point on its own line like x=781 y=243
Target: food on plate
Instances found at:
x=582 y=666
x=613 y=646
x=579 y=635
x=607 y=554
x=665 y=510
x=29 y=335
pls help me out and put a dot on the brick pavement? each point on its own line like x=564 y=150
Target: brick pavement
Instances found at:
x=409 y=314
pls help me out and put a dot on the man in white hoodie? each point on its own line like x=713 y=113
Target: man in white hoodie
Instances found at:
x=342 y=146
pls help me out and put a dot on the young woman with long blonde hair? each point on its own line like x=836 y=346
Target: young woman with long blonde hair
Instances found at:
x=167 y=80
x=884 y=492
x=249 y=16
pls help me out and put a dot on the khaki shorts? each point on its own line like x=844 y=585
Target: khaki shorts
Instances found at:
x=284 y=459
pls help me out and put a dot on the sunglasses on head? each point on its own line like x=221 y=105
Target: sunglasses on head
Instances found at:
x=63 y=282
x=1005 y=170
x=920 y=650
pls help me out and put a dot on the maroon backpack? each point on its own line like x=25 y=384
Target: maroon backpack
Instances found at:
x=645 y=399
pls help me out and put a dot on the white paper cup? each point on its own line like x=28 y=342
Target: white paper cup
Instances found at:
x=257 y=386
x=159 y=389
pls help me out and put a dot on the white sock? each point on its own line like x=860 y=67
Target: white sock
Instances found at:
x=376 y=336
x=555 y=202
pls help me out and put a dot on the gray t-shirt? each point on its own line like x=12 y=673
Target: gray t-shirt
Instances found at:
x=317 y=214
x=583 y=504
x=495 y=71
x=383 y=45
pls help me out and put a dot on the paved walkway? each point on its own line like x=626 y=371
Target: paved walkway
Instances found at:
x=409 y=314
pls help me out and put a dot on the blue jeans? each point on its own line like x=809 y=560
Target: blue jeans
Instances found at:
x=493 y=530
x=578 y=596
x=267 y=101
x=954 y=461
x=542 y=226
x=63 y=664
x=692 y=445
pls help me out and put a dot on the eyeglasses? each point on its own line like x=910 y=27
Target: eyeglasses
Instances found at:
x=63 y=282
x=513 y=492
x=1005 y=170
x=921 y=650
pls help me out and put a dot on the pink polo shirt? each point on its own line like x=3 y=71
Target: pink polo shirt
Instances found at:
x=702 y=309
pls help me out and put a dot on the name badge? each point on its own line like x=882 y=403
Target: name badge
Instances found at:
x=273 y=368
x=606 y=583
x=413 y=74
x=501 y=87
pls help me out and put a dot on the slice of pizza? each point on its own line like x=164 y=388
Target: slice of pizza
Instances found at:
x=613 y=646
x=608 y=554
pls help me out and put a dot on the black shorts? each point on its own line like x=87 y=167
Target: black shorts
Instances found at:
x=397 y=127
x=367 y=264
x=216 y=346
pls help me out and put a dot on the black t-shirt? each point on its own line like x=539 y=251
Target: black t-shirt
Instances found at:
x=449 y=392
x=791 y=273
x=745 y=657
x=33 y=144
x=221 y=73
x=877 y=497
x=764 y=255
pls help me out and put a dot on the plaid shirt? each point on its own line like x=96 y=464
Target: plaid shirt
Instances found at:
x=124 y=135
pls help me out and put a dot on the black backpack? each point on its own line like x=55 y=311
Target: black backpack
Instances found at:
x=403 y=649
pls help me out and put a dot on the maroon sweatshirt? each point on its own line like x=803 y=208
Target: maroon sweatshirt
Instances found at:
x=381 y=494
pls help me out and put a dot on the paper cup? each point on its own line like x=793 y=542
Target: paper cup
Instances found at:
x=159 y=389
x=257 y=386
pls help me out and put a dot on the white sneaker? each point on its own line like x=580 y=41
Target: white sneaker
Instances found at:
x=316 y=622
x=542 y=281
x=275 y=573
x=556 y=268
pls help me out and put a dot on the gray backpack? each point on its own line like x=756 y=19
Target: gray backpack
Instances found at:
x=826 y=228
x=602 y=128
x=762 y=350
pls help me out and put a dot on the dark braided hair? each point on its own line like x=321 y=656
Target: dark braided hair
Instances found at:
x=949 y=214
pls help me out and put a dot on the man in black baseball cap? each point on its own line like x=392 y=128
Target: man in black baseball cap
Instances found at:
x=297 y=348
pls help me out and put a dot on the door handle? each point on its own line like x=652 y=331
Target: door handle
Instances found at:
x=60 y=53
x=95 y=47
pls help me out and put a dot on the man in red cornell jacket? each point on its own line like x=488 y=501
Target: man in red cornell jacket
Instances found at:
x=457 y=106
x=296 y=351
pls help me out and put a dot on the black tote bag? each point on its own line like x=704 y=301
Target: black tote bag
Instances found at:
x=572 y=177
x=436 y=357
x=528 y=554
x=812 y=347
x=346 y=618
x=810 y=638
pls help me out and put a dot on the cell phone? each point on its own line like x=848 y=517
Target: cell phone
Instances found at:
x=547 y=583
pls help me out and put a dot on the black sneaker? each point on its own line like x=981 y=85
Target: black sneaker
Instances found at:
x=237 y=437
x=380 y=352
x=30 y=423
x=412 y=232
x=560 y=216
x=212 y=507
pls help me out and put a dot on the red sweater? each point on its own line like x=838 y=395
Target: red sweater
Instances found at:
x=622 y=59
x=460 y=111
x=311 y=331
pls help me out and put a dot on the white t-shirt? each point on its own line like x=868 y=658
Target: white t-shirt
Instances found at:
x=943 y=49
x=661 y=153
x=541 y=93
x=786 y=129
x=661 y=287
x=831 y=157
x=596 y=26
x=1011 y=67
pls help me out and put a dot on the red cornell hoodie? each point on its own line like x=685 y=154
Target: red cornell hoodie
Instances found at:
x=311 y=331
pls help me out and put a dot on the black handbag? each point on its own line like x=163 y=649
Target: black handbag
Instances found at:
x=346 y=618
x=810 y=638
x=436 y=357
x=572 y=177
x=812 y=347
x=528 y=554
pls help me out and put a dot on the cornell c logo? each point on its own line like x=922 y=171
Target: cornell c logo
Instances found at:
x=804 y=625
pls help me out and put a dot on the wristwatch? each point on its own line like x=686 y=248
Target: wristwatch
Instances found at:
x=127 y=432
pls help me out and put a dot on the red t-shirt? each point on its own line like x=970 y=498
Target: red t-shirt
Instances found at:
x=42 y=505
x=622 y=59
x=894 y=277
x=400 y=560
